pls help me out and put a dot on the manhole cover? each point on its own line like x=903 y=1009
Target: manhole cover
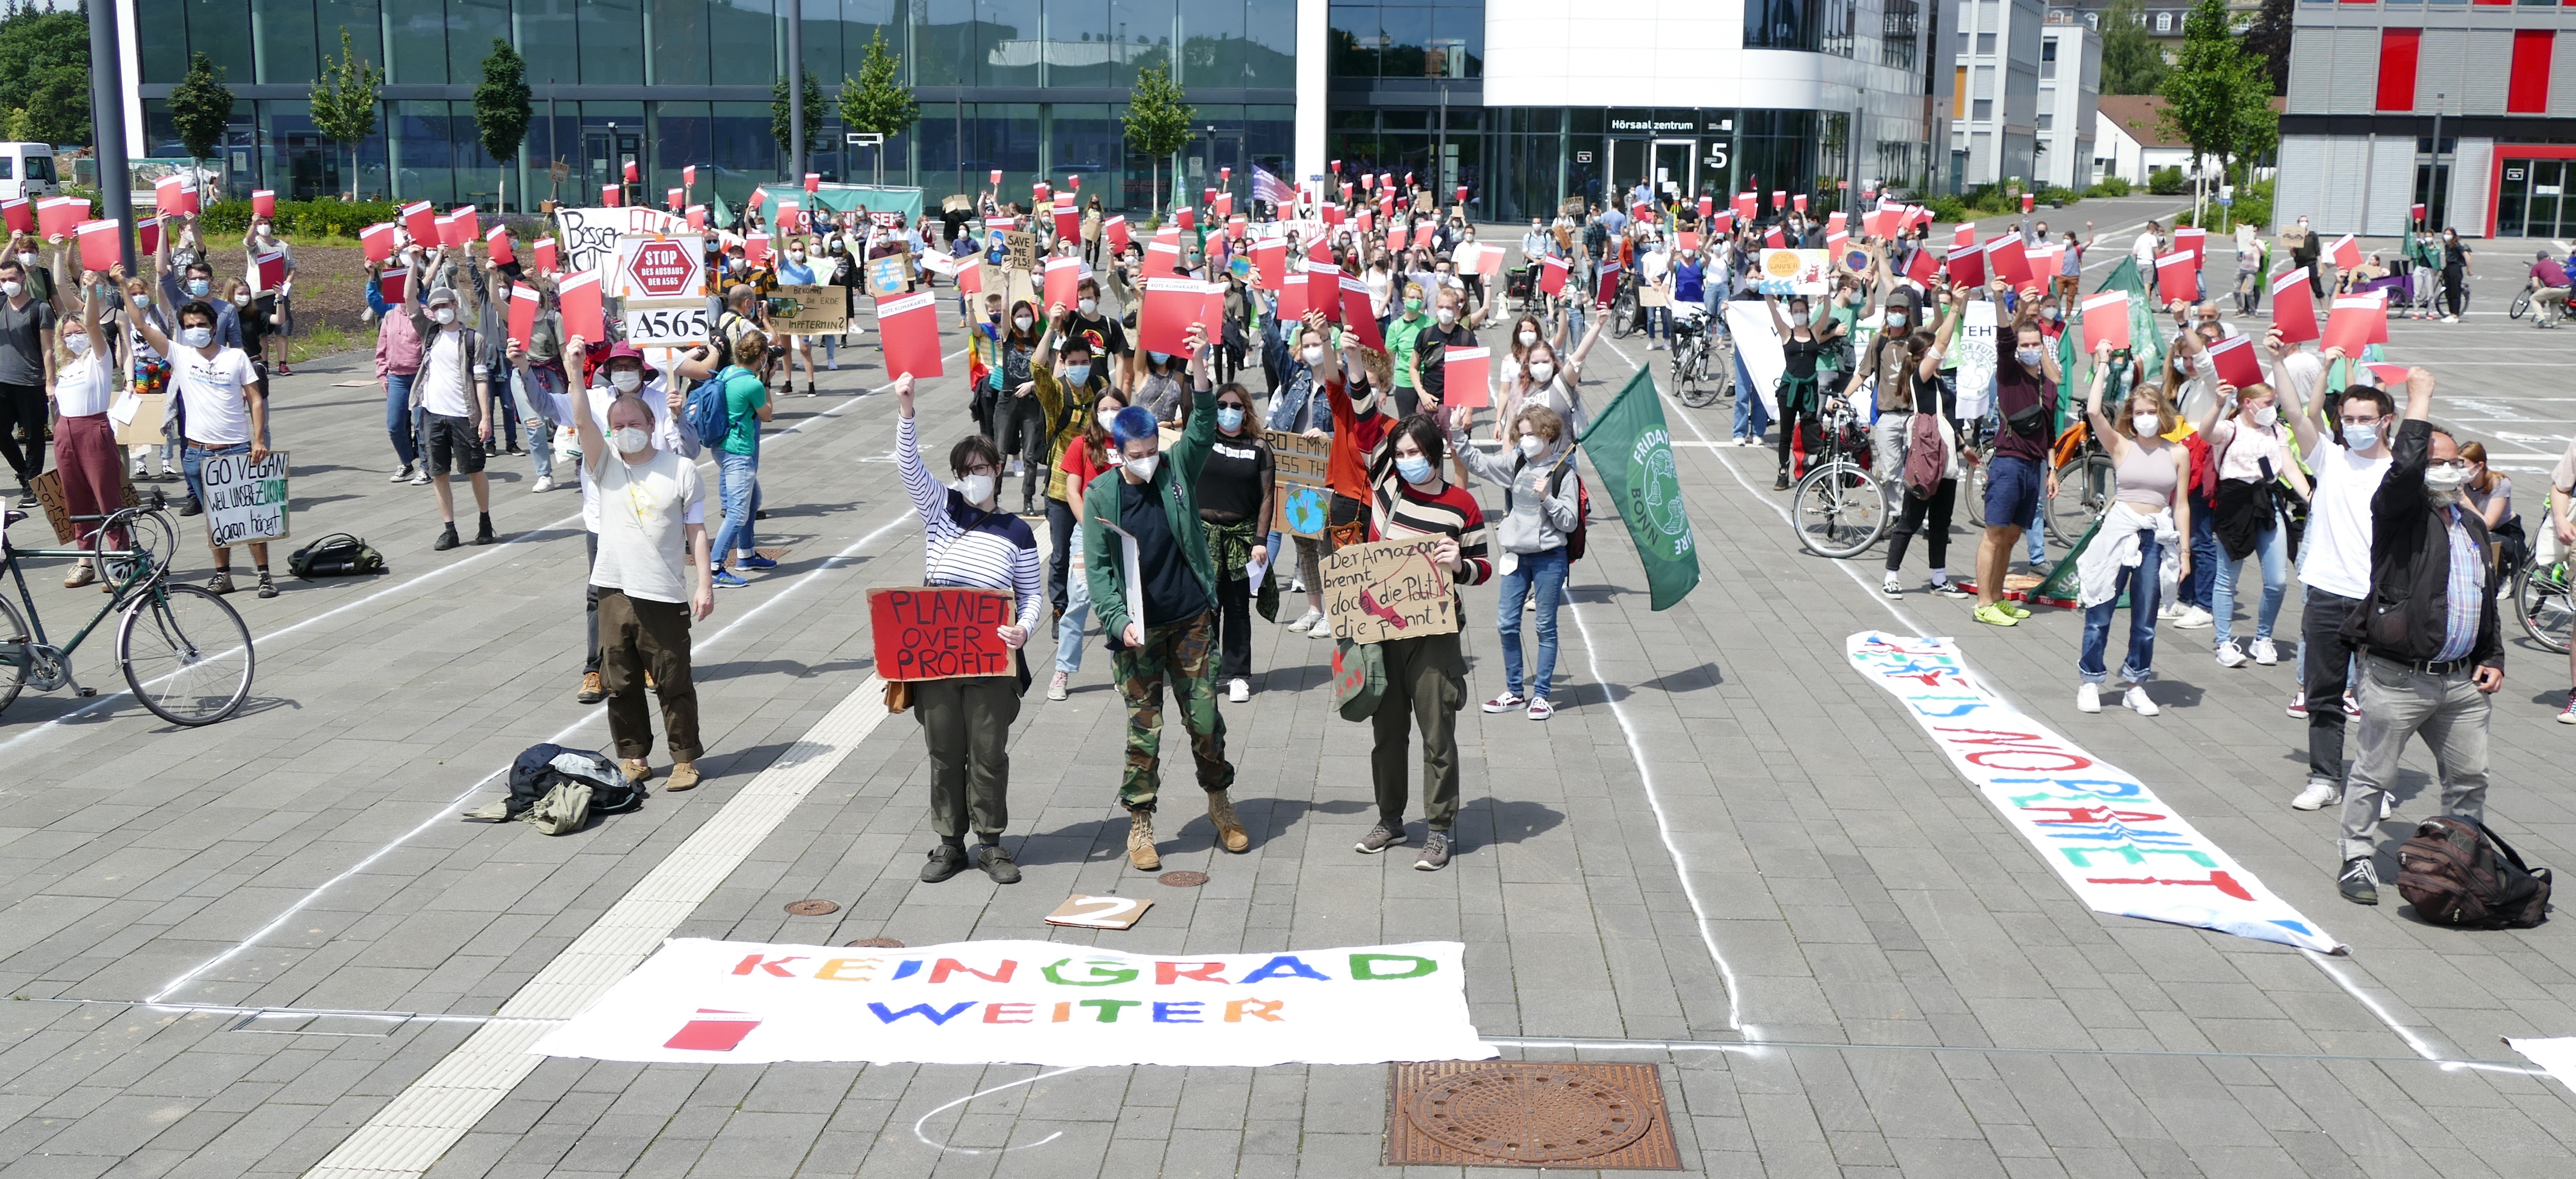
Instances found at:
x=876 y=943
x=813 y=908
x=1184 y=879
x=1496 y=1113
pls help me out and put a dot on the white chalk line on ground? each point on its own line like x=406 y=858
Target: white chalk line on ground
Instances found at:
x=925 y=1139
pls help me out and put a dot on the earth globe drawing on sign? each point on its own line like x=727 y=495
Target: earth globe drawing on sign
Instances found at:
x=1303 y=509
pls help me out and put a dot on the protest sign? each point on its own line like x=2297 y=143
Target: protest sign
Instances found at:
x=1976 y=359
x=524 y=305
x=1020 y=250
x=2235 y=362
x=2005 y=259
x=2345 y=253
x=889 y=274
x=497 y=242
x=268 y=270
x=1793 y=272
x=263 y=202
x=1552 y=275
x=941 y=633
x=1162 y=259
x=809 y=311
x=653 y=323
x=2118 y=847
x=393 y=283
x=48 y=488
x=1968 y=265
x=589 y=237
x=2106 y=320
x=137 y=417
x=1389 y=589
x=2194 y=239
x=659 y=266
x=420 y=220
x=908 y=331
x=99 y=247
x=244 y=501
x=1115 y=229
x=2294 y=307
x=1305 y=484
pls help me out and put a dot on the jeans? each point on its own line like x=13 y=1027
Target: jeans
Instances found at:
x=191 y=454
x=1750 y=416
x=2034 y=535
x=738 y=485
x=2272 y=554
x=2196 y=588
x=1659 y=321
x=2141 y=583
x=399 y=423
x=505 y=415
x=2326 y=661
x=1543 y=574
x=1070 y=622
x=2397 y=702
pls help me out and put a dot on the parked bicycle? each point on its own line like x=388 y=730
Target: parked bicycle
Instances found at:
x=1837 y=508
x=2087 y=482
x=1703 y=363
x=2542 y=597
x=184 y=651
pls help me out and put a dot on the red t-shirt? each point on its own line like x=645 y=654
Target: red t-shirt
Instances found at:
x=1354 y=440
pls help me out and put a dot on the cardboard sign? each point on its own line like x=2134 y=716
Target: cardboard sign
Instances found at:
x=1793 y=272
x=1389 y=589
x=1466 y=377
x=888 y=274
x=1088 y=912
x=578 y=300
x=420 y=219
x=2106 y=320
x=2353 y=321
x=662 y=323
x=2177 y=280
x=1063 y=282
x=137 y=417
x=1305 y=480
x=59 y=216
x=809 y=311
x=2235 y=363
x=940 y=633
x=908 y=332
x=48 y=487
x=2294 y=307
x=1020 y=250
x=244 y=501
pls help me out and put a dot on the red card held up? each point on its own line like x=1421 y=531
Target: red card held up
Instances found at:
x=908 y=332
x=1355 y=313
x=2353 y=322
x=2106 y=320
x=1466 y=377
x=1171 y=306
x=2294 y=307
x=2235 y=361
x=1552 y=273
x=1063 y=283
x=2177 y=280
x=1968 y=265
x=523 y=313
x=578 y=300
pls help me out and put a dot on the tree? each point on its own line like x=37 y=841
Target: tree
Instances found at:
x=344 y=102
x=1158 y=119
x=2269 y=39
x=501 y=110
x=201 y=107
x=2132 y=62
x=2218 y=99
x=778 y=116
x=44 y=70
x=878 y=100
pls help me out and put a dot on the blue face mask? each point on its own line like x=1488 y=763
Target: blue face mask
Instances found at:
x=1229 y=419
x=2360 y=436
x=1159 y=358
x=1077 y=373
x=1414 y=470
x=196 y=286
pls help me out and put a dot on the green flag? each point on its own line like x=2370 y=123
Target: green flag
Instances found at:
x=1633 y=451
x=722 y=213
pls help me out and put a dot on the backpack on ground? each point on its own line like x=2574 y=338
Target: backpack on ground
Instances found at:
x=336 y=555
x=1926 y=456
x=557 y=790
x=705 y=410
x=2456 y=872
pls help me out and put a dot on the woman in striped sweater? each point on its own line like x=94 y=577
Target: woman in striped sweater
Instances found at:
x=1426 y=677
x=967 y=540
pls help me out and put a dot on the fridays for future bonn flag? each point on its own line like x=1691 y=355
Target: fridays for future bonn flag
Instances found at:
x=1633 y=451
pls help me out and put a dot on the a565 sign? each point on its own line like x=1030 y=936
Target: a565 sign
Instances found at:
x=658 y=267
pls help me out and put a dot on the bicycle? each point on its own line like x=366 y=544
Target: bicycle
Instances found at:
x=185 y=653
x=1976 y=456
x=1837 y=508
x=1703 y=367
x=2086 y=471
x=1623 y=306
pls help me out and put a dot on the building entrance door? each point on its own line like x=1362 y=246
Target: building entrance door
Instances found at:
x=2531 y=200
x=1628 y=165
x=1676 y=167
x=605 y=152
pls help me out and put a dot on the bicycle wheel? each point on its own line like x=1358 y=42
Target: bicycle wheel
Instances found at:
x=2547 y=611
x=186 y=654
x=1837 y=510
x=1972 y=465
x=2521 y=305
x=15 y=655
x=2086 y=485
x=1623 y=312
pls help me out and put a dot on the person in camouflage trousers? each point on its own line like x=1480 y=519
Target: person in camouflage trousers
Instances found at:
x=1152 y=505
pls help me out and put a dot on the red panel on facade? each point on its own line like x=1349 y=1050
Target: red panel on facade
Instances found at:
x=2528 y=91
x=2397 y=68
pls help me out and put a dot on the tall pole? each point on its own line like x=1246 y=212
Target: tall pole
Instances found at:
x=796 y=91
x=960 y=115
x=2433 y=186
x=107 y=117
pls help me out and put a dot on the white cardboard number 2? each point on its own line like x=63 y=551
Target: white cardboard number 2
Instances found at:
x=1100 y=911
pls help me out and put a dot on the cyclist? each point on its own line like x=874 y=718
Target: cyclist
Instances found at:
x=2548 y=286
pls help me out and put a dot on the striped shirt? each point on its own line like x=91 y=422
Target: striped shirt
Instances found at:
x=2463 y=593
x=962 y=545
x=1405 y=511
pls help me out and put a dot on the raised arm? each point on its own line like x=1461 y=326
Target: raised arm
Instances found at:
x=2111 y=439
x=2298 y=375
x=594 y=446
x=1591 y=335
x=926 y=494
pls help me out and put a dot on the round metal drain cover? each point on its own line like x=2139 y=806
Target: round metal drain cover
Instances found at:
x=876 y=943
x=1184 y=879
x=1533 y=1114
x=813 y=908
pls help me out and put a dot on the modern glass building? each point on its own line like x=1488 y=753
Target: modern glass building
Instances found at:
x=1519 y=100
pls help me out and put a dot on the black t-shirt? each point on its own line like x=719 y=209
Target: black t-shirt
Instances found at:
x=1230 y=485
x=1430 y=348
x=1172 y=593
x=1108 y=337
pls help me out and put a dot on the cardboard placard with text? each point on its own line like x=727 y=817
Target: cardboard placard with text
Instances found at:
x=244 y=501
x=48 y=487
x=1020 y=250
x=940 y=632
x=1389 y=589
x=809 y=311
x=1305 y=484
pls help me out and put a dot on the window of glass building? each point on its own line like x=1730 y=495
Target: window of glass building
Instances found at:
x=1780 y=24
x=1900 y=24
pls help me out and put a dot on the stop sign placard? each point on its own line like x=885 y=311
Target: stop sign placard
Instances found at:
x=662 y=270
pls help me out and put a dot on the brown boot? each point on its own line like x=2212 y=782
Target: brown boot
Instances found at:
x=638 y=771
x=592 y=689
x=683 y=776
x=1229 y=830
x=1140 y=842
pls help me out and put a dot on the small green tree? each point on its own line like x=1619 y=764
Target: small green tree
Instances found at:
x=2218 y=99
x=2132 y=62
x=1158 y=119
x=877 y=100
x=344 y=101
x=501 y=106
x=779 y=127
x=201 y=107
x=2269 y=39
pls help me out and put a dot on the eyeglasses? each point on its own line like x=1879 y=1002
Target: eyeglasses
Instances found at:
x=983 y=469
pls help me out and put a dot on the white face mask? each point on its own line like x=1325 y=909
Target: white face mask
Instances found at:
x=1528 y=338
x=1107 y=414
x=2144 y=424
x=2265 y=415
x=1143 y=468
x=11 y=289
x=1088 y=307
x=977 y=489
x=76 y=345
x=1314 y=355
x=265 y=230
x=444 y=315
x=631 y=440
x=1542 y=371
x=2446 y=476
x=1022 y=322
x=626 y=381
x=1532 y=445
x=196 y=337
x=796 y=256
x=28 y=259
x=1448 y=316
x=243 y=300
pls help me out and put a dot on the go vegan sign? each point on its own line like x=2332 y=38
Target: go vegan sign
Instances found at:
x=717 y=1002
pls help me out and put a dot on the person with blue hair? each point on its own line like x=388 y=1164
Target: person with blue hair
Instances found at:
x=1159 y=562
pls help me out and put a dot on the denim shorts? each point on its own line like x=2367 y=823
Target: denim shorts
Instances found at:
x=194 y=453
x=2012 y=489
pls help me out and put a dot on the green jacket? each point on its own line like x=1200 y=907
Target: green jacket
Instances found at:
x=1176 y=482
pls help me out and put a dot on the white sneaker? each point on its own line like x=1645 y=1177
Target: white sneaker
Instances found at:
x=1306 y=621
x=1238 y=691
x=2088 y=697
x=2229 y=655
x=421 y=480
x=2387 y=804
x=1016 y=465
x=2265 y=654
x=2450 y=319
x=2193 y=618
x=2169 y=611
x=544 y=483
x=400 y=476
x=1891 y=587
x=1056 y=688
x=2136 y=698
x=1296 y=585
x=2317 y=795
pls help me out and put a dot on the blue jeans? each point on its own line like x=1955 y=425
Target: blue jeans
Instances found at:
x=399 y=422
x=2035 y=538
x=1659 y=321
x=2141 y=584
x=2272 y=552
x=1069 y=625
x=2195 y=589
x=191 y=454
x=739 y=484
x=533 y=383
x=1543 y=573
x=1750 y=417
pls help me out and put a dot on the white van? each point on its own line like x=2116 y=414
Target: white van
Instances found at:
x=27 y=170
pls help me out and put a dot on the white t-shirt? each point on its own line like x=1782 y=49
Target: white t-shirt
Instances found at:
x=2145 y=250
x=211 y=394
x=2334 y=553
x=442 y=378
x=666 y=429
x=645 y=510
x=82 y=388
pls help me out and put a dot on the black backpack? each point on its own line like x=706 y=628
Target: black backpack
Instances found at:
x=2456 y=872
x=336 y=555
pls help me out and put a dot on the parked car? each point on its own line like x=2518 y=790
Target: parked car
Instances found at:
x=27 y=170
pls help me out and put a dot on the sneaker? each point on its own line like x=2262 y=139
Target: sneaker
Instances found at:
x=1380 y=838
x=2265 y=654
x=1306 y=621
x=684 y=776
x=420 y=480
x=400 y=476
x=1996 y=616
x=2359 y=882
x=2088 y=697
x=2446 y=319
x=1945 y=588
x=2137 y=700
x=997 y=863
x=2317 y=796
x=946 y=860
x=1435 y=852
x=82 y=574
x=192 y=507
x=446 y=539
x=267 y=585
x=2229 y=655
x=1781 y=483
x=1238 y=691
x=2567 y=715
x=1507 y=702
x=1891 y=586
x=483 y=534
x=753 y=561
x=2016 y=609
x=2351 y=707
x=592 y=690
x=544 y=483
x=1540 y=709
x=1297 y=585
x=2169 y=611
x=1056 y=686
x=2298 y=708
x=724 y=579
x=221 y=582
x=2193 y=618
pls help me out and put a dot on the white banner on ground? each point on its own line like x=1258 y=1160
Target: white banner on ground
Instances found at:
x=2119 y=847
x=714 y=1002
x=1757 y=346
x=2558 y=1055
